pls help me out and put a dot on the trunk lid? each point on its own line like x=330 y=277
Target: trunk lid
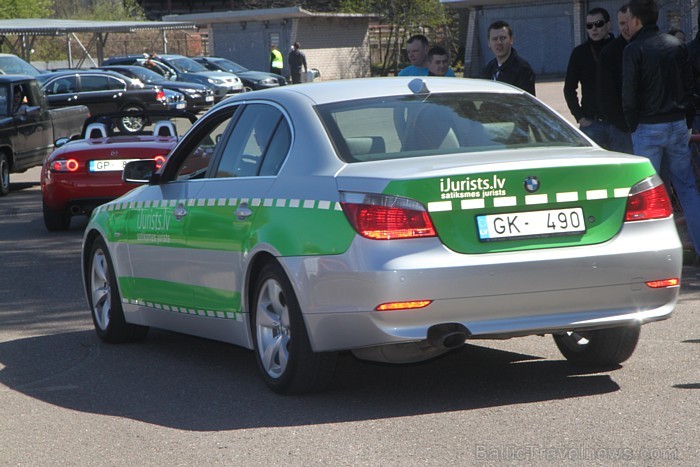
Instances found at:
x=521 y=203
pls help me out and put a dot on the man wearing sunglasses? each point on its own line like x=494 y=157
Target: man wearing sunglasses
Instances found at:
x=610 y=85
x=582 y=67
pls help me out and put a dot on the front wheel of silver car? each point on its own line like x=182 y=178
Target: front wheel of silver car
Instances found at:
x=282 y=348
x=105 y=302
x=602 y=347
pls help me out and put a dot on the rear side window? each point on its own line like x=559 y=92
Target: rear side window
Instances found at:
x=100 y=83
x=257 y=145
x=411 y=126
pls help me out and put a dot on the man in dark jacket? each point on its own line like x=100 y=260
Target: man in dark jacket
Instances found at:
x=296 y=60
x=657 y=83
x=609 y=93
x=507 y=66
x=582 y=69
x=694 y=54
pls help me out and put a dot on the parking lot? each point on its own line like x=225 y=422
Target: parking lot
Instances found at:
x=67 y=398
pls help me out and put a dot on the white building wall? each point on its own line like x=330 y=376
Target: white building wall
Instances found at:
x=337 y=47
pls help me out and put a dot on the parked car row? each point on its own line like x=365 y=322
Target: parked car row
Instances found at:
x=181 y=68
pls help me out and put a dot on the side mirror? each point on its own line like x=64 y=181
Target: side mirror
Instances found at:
x=141 y=171
x=61 y=141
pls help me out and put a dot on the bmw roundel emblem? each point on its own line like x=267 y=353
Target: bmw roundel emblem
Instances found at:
x=532 y=184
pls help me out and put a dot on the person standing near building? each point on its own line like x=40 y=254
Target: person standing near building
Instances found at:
x=276 y=60
x=507 y=66
x=609 y=92
x=657 y=83
x=417 y=49
x=296 y=60
x=582 y=67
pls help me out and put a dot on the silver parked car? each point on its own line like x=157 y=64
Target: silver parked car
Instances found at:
x=393 y=217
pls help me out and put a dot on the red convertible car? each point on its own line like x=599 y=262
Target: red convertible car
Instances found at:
x=85 y=172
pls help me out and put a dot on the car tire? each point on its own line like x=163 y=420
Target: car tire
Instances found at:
x=602 y=347
x=282 y=348
x=54 y=220
x=131 y=124
x=105 y=301
x=4 y=175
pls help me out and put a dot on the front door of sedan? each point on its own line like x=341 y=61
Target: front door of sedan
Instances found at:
x=160 y=219
x=230 y=201
x=62 y=91
x=158 y=255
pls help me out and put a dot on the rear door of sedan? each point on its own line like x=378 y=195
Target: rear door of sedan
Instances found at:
x=101 y=93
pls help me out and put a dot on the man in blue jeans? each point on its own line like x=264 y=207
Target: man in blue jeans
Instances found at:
x=657 y=85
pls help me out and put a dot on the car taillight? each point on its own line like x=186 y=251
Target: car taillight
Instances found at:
x=160 y=95
x=160 y=160
x=382 y=217
x=398 y=306
x=647 y=200
x=65 y=165
x=663 y=283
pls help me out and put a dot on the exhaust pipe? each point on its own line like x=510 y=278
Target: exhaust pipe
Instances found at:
x=448 y=336
x=441 y=339
x=75 y=210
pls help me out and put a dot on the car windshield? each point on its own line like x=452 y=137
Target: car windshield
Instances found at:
x=233 y=67
x=10 y=65
x=187 y=65
x=411 y=126
x=146 y=75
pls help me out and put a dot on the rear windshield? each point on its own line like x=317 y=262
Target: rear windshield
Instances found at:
x=411 y=126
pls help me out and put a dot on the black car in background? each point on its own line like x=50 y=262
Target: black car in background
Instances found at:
x=251 y=79
x=181 y=68
x=102 y=92
x=198 y=96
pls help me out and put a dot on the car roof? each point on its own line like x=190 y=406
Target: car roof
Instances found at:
x=14 y=78
x=83 y=71
x=325 y=92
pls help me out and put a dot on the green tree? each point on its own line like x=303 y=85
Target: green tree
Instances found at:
x=404 y=18
x=100 y=10
x=12 y=9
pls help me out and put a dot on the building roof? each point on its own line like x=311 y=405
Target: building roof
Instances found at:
x=269 y=14
x=59 y=27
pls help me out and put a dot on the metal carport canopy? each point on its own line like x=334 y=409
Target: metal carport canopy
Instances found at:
x=25 y=28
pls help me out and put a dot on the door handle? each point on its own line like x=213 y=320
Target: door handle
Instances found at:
x=243 y=211
x=179 y=212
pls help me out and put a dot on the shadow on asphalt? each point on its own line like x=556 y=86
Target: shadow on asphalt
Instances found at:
x=14 y=187
x=187 y=383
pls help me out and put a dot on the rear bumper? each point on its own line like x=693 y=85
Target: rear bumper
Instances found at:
x=493 y=295
x=82 y=194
